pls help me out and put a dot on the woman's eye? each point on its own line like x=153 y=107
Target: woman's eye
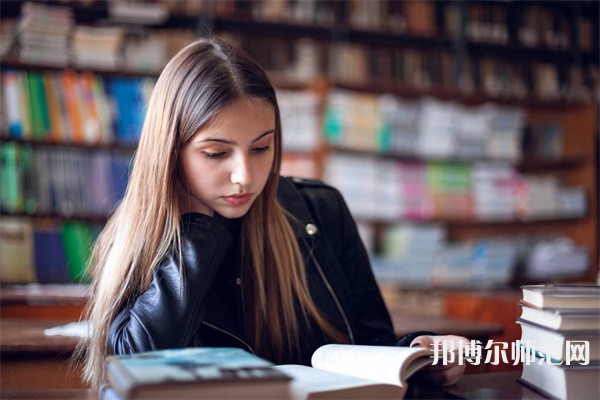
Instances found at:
x=214 y=155
x=261 y=149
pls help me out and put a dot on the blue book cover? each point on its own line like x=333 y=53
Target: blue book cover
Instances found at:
x=50 y=261
x=119 y=172
x=205 y=372
x=128 y=97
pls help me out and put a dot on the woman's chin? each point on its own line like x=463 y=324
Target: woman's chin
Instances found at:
x=233 y=212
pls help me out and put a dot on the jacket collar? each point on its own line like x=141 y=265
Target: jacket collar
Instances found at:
x=291 y=200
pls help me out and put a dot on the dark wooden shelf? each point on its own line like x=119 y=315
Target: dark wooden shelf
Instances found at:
x=14 y=63
x=98 y=11
x=543 y=165
x=114 y=147
x=92 y=219
x=526 y=54
x=470 y=222
x=529 y=165
x=445 y=93
x=279 y=79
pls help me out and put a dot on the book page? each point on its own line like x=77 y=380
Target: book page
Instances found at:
x=310 y=382
x=383 y=364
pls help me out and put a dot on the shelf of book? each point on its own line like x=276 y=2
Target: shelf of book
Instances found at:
x=276 y=40
x=57 y=217
x=473 y=98
x=527 y=165
x=524 y=53
x=14 y=63
x=113 y=147
x=516 y=223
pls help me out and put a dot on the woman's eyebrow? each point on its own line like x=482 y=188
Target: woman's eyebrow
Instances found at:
x=231 y=142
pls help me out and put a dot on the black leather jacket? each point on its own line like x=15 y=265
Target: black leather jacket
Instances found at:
x=175 y=312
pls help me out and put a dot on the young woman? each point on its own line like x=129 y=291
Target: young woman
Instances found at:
x=211 y=247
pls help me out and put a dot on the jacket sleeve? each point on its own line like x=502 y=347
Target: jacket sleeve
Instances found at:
x=373 y=322
x=170 y=311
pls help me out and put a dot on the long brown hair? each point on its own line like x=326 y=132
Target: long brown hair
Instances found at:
x=196 y=84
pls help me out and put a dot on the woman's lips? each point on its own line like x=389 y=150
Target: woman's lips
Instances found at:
x=238 y=199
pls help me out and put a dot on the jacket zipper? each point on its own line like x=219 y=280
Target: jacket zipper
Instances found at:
x=335 y=298
x=229 y=334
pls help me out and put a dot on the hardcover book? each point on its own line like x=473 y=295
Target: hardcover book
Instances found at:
x=198 y=373
x=562 y=296
x=561 y=319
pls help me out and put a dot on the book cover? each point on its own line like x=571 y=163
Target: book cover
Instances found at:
x=77 y=242
x=11 y=195
x=12 y=89
x=72 y=108
x=24 y=105
x=50 y=262
x=202 y=373
x=16 y=251
x=53 y=102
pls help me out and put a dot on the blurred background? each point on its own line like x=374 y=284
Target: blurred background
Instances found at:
x=462 y=134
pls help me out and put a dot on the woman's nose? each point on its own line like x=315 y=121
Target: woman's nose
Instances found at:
x=242 y=172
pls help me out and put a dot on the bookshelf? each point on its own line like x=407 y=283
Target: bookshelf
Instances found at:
x=465 y=53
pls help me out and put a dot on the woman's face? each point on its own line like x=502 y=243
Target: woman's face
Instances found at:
x=226 y=163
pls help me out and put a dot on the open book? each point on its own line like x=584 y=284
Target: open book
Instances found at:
x=352 y=372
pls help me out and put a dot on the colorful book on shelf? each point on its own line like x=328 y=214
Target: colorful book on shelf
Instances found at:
x=103 y=107
x=128 y=97
x=27 y=173
x=35 y=106
x=11 y=195
x=16 y=250
x=199 y=373
x=50 y=262
x=77 y=242
x=54 y=112
x=42 y=104
x=24 y=105
x=12 y=100
x=71 y=106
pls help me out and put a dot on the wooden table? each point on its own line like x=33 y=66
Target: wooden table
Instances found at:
x=498 y=385
x=488 y=386
x=35 y=301
x=32 y=360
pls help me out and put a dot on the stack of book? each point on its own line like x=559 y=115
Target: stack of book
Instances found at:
x=98 y=46
x=44 y=34
x=300 y=119
x=561 y=340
